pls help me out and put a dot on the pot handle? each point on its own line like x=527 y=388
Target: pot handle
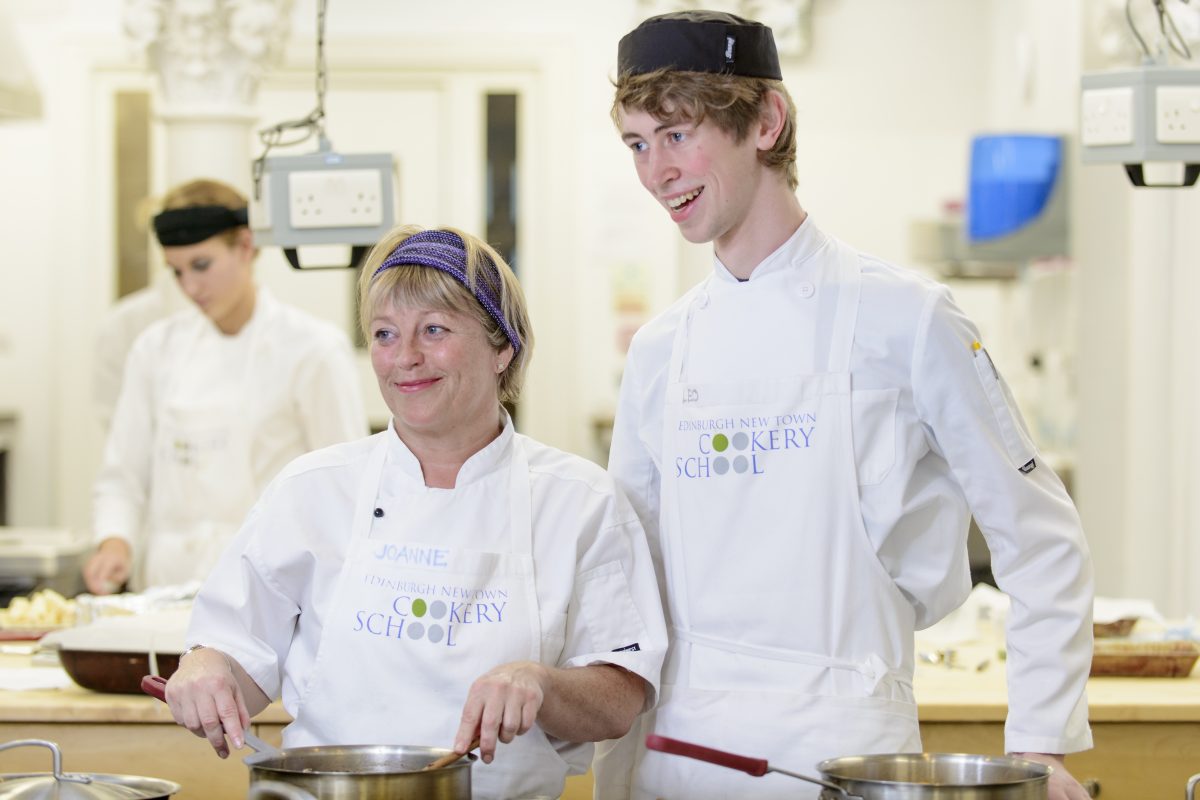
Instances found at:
x=59 y=775
x=751 y=766
x=1191 y=787
x=156 y=687
x=261 y=789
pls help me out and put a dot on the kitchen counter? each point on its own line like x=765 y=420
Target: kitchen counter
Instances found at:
x=1146 y=730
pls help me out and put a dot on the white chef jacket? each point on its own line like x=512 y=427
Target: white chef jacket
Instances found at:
x=267 y=600
x=935 y=440
x=301 y=392
x=120 y=328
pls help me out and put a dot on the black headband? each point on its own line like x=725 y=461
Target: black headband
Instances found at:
x=182 y=226
x=700 y=41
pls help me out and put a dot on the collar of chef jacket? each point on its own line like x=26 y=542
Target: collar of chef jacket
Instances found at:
x=802 y=245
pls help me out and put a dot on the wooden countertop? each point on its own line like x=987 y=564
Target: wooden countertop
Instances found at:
x=943 y=695
x=967 y=695
x=76 y=704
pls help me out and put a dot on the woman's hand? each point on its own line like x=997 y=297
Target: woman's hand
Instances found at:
x=501 y=705
x=108 y=568
x=205 y=698
x=575 y=704
x=1062 y=785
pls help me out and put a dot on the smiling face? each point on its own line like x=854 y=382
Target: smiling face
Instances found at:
x=707 y=181
x=437 y=372
x=217 y=276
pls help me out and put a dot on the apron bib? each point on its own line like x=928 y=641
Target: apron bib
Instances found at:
x=411 y=626
x=201 y=472
x=790 y=641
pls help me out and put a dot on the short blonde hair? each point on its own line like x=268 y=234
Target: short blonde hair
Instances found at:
x=733 y=102
x=415 y=284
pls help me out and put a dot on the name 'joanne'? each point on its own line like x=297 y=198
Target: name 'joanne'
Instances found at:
x=412 y=555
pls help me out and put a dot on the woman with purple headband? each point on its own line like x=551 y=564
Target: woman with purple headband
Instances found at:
x=458 y=579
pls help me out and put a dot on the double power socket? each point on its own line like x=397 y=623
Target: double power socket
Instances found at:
x=1108 y=115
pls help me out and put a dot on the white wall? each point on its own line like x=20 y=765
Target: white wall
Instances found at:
x=1138 y=435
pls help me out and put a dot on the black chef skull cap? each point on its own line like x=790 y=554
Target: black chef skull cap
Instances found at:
x=178 y=227
x=700 y=41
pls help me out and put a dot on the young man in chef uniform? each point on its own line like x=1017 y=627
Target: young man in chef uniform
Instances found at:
x=805 y=435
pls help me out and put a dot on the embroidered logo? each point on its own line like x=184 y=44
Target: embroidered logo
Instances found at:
x=721 y=446
x=433 y=613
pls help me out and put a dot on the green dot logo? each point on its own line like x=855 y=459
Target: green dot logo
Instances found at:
x=419 y=608
x=720 y=442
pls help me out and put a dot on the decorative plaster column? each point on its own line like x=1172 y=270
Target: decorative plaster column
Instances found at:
x=210 y=56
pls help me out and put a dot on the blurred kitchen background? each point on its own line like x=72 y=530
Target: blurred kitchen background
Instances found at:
x=496 y=116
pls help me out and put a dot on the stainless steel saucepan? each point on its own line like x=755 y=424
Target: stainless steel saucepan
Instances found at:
x=358 y=772
x=59 y=785
x=902 y=776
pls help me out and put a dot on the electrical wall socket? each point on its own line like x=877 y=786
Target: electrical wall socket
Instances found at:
x=1177 y=114
x=1106 y=116
x=335 y=198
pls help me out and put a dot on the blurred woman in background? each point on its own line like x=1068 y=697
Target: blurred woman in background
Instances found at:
x=212 y=404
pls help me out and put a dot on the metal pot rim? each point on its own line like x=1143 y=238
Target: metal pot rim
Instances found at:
x=833 y=769
x=150 y=787
x=272 y=762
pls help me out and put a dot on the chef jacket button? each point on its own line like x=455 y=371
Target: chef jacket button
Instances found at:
x=703 y=300
x=807 y=290
x=379 y=512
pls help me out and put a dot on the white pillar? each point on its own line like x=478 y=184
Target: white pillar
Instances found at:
x=210 y=56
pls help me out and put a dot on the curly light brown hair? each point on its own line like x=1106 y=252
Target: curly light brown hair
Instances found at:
x=734 y=104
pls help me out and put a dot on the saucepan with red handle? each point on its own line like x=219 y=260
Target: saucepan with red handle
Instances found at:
x=362 y=772
x=899 y=776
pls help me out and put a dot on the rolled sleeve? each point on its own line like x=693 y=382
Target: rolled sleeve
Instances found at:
x=615 y=613
x=1039 y=555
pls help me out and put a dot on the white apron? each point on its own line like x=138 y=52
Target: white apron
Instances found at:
x=201 y=473
x=411 y=626
x=790 y=641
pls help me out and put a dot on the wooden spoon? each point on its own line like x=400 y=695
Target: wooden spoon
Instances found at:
x=449 y=758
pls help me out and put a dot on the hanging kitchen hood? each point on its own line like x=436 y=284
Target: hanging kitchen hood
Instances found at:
x=19 y=96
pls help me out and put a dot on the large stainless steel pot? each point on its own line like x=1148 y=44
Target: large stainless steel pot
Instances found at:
x=59 y=785
x=905 y=776
x=366 y=772
x=354 y=772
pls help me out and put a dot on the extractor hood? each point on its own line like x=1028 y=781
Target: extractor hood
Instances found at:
x=19 y=96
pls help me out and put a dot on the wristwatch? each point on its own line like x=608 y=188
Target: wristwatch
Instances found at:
x=191 y=649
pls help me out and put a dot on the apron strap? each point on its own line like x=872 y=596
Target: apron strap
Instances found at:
x=873 y=669
x=520 y=502
x=848 y=278
x=679 y=342
x=368 y=487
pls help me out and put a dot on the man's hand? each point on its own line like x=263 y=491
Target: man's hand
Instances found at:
x=1062 y=785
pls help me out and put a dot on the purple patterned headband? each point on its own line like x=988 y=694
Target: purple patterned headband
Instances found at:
x=445 y=251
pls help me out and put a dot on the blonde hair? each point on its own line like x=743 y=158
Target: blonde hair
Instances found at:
x=733 y=102
x=417 y=285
